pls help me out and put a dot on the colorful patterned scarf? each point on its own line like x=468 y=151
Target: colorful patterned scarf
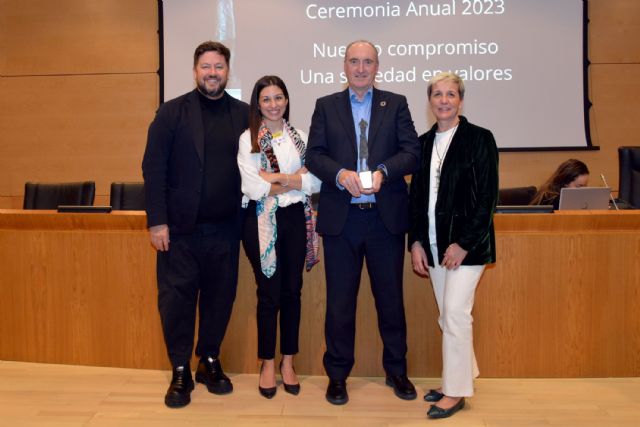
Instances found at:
x=266 y=207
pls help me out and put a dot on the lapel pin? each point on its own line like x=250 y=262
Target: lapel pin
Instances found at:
x=383 y=103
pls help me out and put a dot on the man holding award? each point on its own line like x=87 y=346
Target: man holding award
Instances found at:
x=362 y=143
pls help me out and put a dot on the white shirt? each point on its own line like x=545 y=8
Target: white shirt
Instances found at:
x=254 y=187
x=441 y=145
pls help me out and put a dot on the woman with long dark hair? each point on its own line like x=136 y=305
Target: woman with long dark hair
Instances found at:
x=571 y=173
x=279 y=232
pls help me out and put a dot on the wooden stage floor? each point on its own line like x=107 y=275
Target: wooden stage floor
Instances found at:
x=33 y=394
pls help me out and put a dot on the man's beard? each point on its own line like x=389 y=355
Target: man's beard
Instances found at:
x=216 y=93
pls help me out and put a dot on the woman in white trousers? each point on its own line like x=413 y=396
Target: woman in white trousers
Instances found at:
x=451 y=237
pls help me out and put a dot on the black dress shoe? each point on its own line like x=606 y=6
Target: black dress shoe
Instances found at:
x=433 y=396
x=436 y=412
x=179 y=391
x=337 y=392
x=210 y=374
x=402 y=387
x=290 y=388
x=267 y=392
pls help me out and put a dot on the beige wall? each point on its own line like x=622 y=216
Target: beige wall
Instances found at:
x=78 y=88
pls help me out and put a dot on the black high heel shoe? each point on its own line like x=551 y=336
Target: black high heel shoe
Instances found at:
x=267 y=392
x=290 y=388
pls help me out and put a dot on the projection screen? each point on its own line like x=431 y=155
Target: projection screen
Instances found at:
x=523 y=61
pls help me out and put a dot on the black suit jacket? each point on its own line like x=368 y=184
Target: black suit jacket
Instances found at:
x=173 y=164
x=467 y=196
x=392 y=141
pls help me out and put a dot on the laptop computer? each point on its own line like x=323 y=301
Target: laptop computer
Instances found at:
x=592 y=198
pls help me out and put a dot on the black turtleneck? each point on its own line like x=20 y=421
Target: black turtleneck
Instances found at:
x=221 y=192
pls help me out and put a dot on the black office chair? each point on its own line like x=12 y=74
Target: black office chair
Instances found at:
x=127 y=196
x=51 y=195
x=516 y=196
x=629 y=175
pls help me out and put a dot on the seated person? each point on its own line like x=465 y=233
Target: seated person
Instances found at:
x=570 y=174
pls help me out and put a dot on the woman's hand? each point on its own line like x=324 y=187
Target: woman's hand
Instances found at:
x=419 y=260
x=272 y=177
x=453 y=256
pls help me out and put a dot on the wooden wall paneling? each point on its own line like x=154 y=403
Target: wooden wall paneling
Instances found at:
x=312 y=341
x=571 y=292
x=533 y=168
x=424 y=339
x=65 y=128
x=240 y=344
x=614 y=30
x=562 y=300
x=82 y=90
x=78 y=37
x=615 y=90
x=77 y=305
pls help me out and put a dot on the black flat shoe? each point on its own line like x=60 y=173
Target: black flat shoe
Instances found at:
x=210 y=374
x=267 y=392
x=179 y=391
x=402 y=387
x=436 y=412
x=290 y=388
x=337 y=392
x=433 y=396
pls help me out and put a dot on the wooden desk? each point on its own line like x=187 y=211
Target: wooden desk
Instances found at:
x=563 y=300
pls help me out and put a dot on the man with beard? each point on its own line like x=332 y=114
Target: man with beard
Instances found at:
x=193 y=202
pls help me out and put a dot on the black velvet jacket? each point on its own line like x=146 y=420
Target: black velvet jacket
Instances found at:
x=467 y=196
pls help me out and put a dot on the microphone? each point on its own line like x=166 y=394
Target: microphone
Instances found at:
x=604 y=181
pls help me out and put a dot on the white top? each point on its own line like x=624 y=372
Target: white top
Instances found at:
x=441 y=145
x=254 y=187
